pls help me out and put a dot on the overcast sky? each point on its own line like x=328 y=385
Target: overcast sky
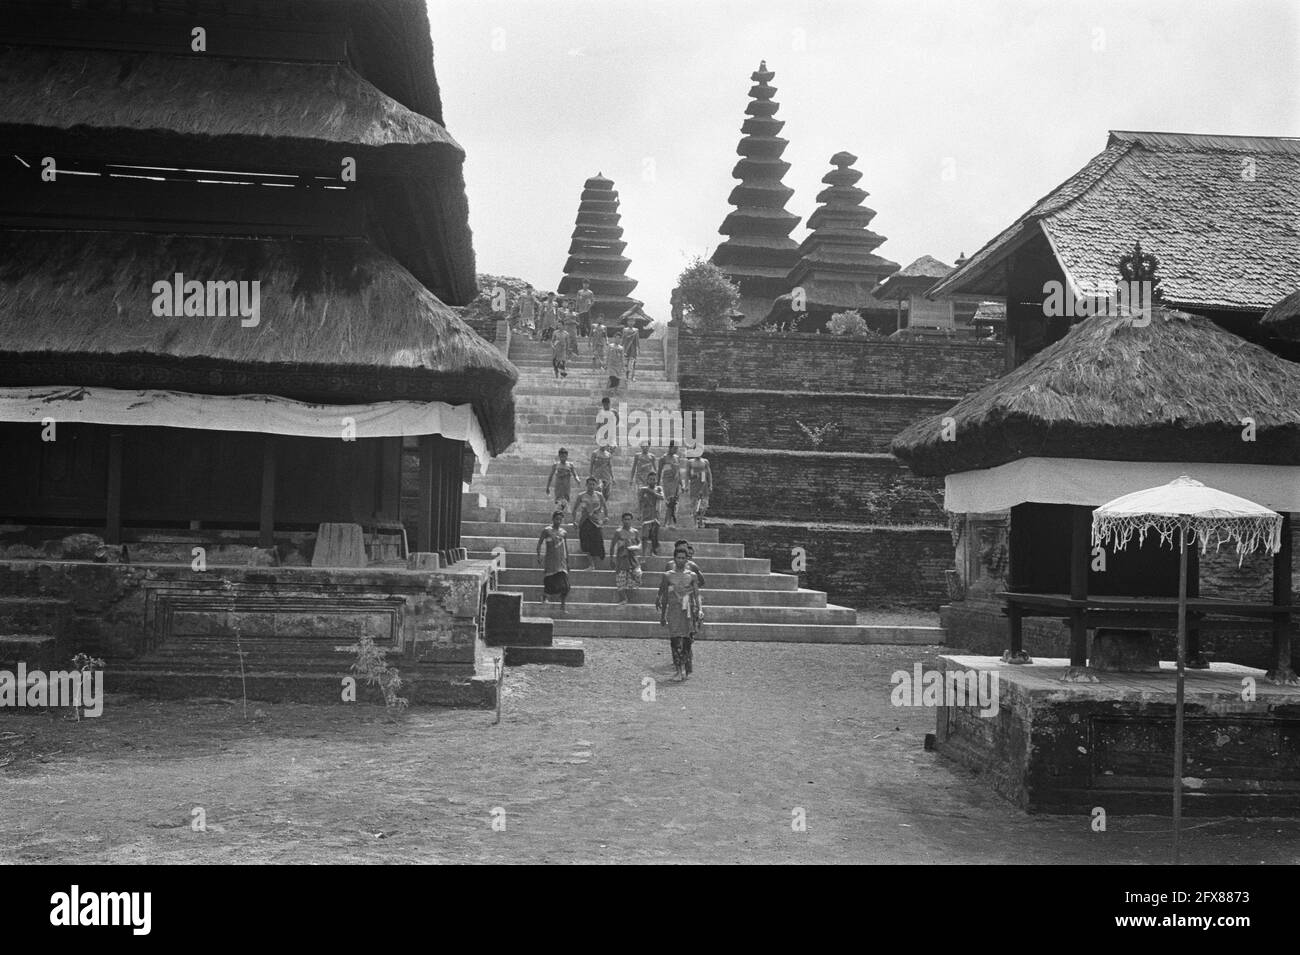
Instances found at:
x=961 y=113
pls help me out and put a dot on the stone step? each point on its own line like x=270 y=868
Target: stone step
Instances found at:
x=516 y=578
x=48 y=615
x=37 y=650
x=713 y=612
x=563 y=652
x=567 y=626
x=177 y=679
x=531 y=530
x=528 y=545
x=590 y=393
x=535 y=501
x=708 y=565
x=749 y=597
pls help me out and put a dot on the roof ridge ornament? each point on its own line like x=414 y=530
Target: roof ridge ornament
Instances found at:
x=1139 y=266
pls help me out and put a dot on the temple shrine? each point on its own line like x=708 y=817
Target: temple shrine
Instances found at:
x=596 y=252
x=758 y=252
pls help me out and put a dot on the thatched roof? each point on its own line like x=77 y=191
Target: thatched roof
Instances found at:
x=339 y=321
x=913 y=278
x=1218 y=211
x=1284 y=316
x=1175 y=390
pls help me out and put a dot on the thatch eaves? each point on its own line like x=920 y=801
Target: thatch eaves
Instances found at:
x=1178 y=389
x=339 y=321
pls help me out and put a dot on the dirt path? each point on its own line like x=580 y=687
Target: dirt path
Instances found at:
x=585 y=770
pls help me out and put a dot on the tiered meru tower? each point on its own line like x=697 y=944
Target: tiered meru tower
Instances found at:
x=837 y=267
x=596 y=252
x=758 y=252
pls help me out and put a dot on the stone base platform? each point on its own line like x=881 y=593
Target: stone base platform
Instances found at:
x=1068 y=747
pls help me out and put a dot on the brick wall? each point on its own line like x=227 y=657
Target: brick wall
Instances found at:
x=824 y=487
x=830 y=363
x=767 y=419
x=856 y=566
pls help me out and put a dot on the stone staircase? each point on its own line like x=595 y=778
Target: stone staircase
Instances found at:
x=508 y=507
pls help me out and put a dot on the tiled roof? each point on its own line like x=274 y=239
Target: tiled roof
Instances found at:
x=1221 y=213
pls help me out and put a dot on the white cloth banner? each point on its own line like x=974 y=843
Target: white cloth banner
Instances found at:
x=265 y=414
x=1085 y=481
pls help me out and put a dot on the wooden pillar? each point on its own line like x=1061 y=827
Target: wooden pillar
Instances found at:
x=424 y=520
x=458 y=494
x=1282 y=671
x=389 y=504
x=266 y=519
x=1080 y=556
x=113 y=510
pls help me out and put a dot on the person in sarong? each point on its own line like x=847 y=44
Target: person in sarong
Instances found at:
x=679 y=610
x=560 y=352
x=598 y=343
x=670 y=479
x=644 y=464
x=615 y=365
x=626 y=548
x=589 y=514
x=569 y=321
x=563 y=474
x=699 y=484
x=694 y=568
x=586 y=298
x=550 y=317
x=553 y=556
x=602 y=469
x=651 y=501
x=528 y=312
x=631 y=346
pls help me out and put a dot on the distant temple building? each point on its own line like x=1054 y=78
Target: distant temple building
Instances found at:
x=596 y=252
x=758 y=252
x=837 y=267
x=918 y=314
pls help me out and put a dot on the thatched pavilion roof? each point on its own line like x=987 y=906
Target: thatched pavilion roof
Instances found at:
x=915 y=277
x=340 y=321
x=1284 y=316
x=1219 y=211
x=1174 y=390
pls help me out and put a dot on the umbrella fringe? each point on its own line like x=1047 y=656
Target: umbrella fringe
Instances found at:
x=1250 y=534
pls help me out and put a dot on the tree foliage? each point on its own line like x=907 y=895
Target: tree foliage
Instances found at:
x=708 y=297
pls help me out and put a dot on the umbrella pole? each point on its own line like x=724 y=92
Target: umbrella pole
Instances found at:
x=1178 y=698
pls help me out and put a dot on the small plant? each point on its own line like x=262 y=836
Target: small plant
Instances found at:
x=83 y=663
x=372 y=666
x=820 y=434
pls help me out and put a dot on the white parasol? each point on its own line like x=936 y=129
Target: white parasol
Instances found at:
x=1187 y=511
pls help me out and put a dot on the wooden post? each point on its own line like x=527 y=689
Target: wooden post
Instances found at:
x=390 y=479
x=424 y=522
x=266 y=519
x=1178 y=694
x=1282 y=671
x=1080 y=555
x=113 y=511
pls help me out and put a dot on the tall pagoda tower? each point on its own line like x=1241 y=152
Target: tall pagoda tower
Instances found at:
x=596 y=252
x=837 y=267
x=758 y=252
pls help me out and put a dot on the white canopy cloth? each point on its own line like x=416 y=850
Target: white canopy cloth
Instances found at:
x=1091 y=482
x=1204 y=513
x=265 y=414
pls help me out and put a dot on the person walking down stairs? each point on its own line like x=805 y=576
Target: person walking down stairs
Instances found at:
x=626 y=548
x=563 y=474
x=588 y=515
x=602 y=469
x=598 y=343
x=615 y=364
x=555 y=561
x=679 y=610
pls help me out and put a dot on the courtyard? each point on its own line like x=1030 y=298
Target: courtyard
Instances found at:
x=583 y=768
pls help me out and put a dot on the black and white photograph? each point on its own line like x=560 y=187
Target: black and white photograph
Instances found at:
x=639 y=432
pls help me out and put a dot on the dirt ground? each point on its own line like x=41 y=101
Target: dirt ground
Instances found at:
x=585 y=770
